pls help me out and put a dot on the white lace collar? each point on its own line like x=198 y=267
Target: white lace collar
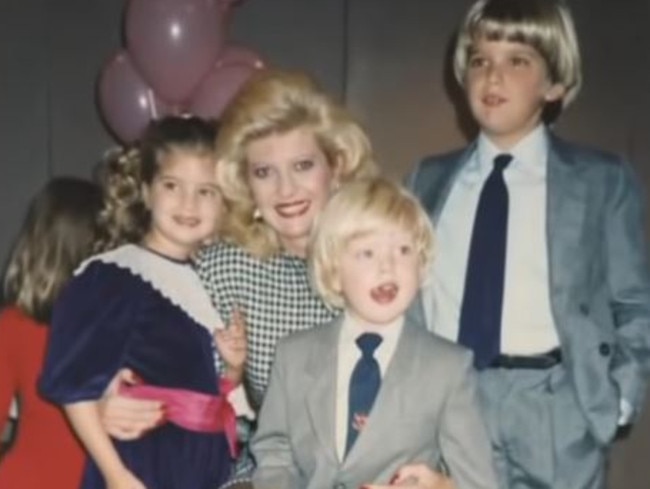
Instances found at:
x=175 y=281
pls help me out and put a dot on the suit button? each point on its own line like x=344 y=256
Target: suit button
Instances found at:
x=604 y=349
x=584 y=309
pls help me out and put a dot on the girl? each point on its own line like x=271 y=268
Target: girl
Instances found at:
x=142 y=307
x=58 y=233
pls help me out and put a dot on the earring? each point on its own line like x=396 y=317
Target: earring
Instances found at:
x=257 y=215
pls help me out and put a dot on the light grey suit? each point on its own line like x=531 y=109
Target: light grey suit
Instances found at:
x=599 y=283
x=426 y=411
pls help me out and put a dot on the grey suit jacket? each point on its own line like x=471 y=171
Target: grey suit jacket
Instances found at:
x=426 y=411
x=599 y=282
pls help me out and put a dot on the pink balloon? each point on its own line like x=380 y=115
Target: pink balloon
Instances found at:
x=218 y=88
x=238 y=54
x=174 y=43
x=126 y=102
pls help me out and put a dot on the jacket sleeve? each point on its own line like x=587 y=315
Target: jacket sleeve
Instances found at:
x=271 y=446
x=629 y=286
x=466 y=449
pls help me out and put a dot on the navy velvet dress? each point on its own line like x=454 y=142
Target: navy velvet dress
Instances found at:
x=133 y=308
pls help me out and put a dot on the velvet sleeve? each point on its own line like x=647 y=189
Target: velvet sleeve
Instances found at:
x=92 y=323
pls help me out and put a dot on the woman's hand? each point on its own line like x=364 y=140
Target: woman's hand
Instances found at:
x=232 y=345
x=124 y=418
x=416 y=476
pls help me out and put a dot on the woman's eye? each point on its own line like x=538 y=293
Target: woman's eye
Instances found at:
x=405 y=250
x=303 y=165
x=169 y=185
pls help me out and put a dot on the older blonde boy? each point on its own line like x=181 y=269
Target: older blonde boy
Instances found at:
x=322 y=424
x=541 y=266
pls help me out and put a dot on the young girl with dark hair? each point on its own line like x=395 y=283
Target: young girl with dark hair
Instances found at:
x=141 y=306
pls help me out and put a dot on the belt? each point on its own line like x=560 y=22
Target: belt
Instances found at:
x=194 y=411
x=533 y=362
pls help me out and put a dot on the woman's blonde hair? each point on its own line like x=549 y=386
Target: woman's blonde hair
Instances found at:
x=546 y=25
x=125 y=217
x=57 y=234
x=356 y=209
x=272 y=103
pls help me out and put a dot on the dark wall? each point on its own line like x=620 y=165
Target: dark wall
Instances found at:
x=385 y=58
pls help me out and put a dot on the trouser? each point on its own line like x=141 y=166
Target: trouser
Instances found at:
x=539 y=435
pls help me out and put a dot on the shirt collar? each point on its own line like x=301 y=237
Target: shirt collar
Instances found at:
x=352 y=328
x=529 y=154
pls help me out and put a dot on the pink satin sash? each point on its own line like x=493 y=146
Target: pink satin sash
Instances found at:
x=194 y=411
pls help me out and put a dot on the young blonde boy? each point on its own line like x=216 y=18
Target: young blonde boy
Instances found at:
x=369 y=252
x=541 y=265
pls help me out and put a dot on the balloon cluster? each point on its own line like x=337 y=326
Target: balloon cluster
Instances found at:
x=176 y=61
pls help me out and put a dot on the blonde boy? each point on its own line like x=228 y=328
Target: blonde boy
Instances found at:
x=317 y=427
x=541 y=266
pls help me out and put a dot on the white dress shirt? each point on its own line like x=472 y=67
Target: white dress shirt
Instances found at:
x=348 y=355
x=527 y=325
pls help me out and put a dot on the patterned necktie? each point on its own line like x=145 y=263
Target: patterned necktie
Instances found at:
x=364 y=385
x=480 y=314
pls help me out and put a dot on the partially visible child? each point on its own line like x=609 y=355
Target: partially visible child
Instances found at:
x=542 y=267
x=352 y=402
x=57 y=235
x=141 y=307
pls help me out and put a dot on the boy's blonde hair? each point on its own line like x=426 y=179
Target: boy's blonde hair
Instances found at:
x=356 y=209
x=546 y=25
x=275 y=103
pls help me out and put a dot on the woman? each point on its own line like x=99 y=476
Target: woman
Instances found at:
x=284 y=146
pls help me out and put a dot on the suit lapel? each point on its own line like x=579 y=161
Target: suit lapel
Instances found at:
x=566 y=208
x=441 y=184
x=389 y=404
x=321 y=398
x=433 y=200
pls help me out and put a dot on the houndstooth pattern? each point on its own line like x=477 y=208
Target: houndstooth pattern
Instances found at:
x=274 y=295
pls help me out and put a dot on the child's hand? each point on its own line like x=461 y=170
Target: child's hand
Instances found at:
x=124 y=480
x=231 y=345
x=416 y=476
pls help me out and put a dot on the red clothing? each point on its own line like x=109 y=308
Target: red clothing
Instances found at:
x=45 y=453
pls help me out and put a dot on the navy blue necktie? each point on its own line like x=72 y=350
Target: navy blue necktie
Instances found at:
x=364 y=385
x=480 y=314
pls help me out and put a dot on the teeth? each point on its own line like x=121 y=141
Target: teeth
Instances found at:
x=293 y=209
x=187 y=221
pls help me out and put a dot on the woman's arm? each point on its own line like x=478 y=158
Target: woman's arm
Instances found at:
x=124 y=418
